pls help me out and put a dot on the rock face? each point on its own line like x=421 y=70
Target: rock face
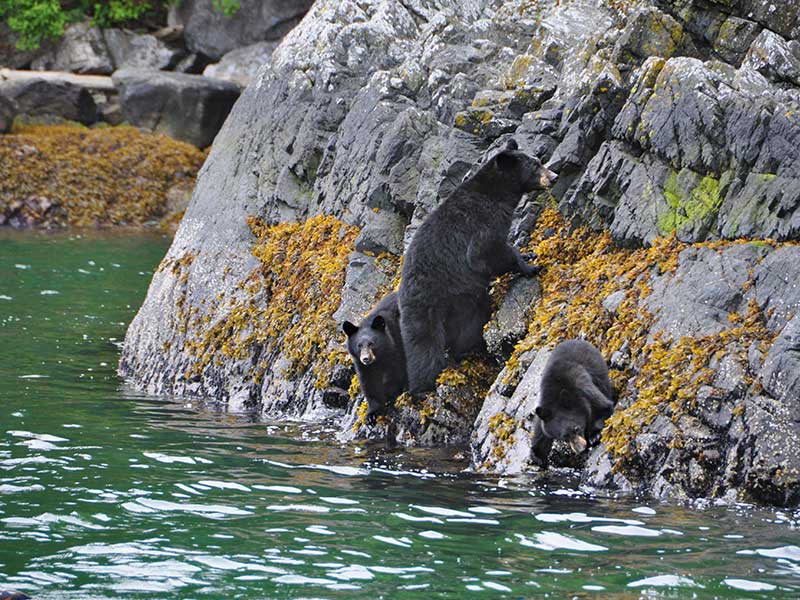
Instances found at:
x=187 y=107
x=210 y=32
x=683 y=118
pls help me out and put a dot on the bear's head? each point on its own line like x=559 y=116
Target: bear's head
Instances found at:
x=565 y=412
x=367 y=343
x=514 y=171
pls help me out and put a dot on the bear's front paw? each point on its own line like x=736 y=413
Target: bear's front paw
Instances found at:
x=538 y=461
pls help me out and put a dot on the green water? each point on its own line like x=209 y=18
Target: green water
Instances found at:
x=105 y=493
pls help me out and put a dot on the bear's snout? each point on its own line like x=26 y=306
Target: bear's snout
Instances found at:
x=576 y=441
x=367 y=356
x=547 y=178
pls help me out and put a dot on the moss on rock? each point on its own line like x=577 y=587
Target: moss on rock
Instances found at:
x=689 y=208
x=56 y=175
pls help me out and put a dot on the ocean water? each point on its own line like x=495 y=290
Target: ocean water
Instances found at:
x=107 y=493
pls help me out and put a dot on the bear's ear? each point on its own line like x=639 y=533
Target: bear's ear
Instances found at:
x=543 y=413
x=349 y=328
x=512 y=144
x=505 y=161
x=379 y=323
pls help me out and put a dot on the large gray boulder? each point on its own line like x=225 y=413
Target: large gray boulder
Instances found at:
x=50 y=97
x=81 y=50
x=191 y=108
x=129 y=50
x=210 y=32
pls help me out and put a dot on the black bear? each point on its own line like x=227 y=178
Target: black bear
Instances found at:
x=377 y=351
x=454 y=255
x=575 y=398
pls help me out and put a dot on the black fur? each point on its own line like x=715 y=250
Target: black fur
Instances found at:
x=378 y=336
x=576 y=397
x=456 y=252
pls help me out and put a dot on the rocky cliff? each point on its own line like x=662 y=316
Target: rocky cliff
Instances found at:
x=668 y=241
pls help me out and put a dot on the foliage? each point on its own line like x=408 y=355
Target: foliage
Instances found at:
x=34 y=20
x=40 y=20
x=227 y=7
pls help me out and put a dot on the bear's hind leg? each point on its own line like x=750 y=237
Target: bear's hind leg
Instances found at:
x=424 y=344
x=465 y=322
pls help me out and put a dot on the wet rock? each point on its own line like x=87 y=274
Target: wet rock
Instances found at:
x=612 y=301
x=82 y=50
x=364 y=281
x=503 y=430
x=242 y=64
x=187 y=107
x=509 y=323
x=777 y=288
x=209 y=31
x=781 y=371
x=50 y=98
x=771 y=473
x=694 y=300
x=599 y=472
x=382 y=232
x=130 y=50
x=373 y=112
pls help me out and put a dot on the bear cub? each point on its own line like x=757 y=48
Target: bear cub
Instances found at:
x=452 y=259
x=376 y=348
x=575 y=398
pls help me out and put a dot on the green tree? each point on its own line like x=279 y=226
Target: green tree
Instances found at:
x=39 y=20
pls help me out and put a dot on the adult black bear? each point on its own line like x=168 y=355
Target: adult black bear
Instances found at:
x=575 y=398
x=377 y=351
x=454 y=255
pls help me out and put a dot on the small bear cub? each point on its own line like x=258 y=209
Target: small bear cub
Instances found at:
x=575 y=398
x=376 y=348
